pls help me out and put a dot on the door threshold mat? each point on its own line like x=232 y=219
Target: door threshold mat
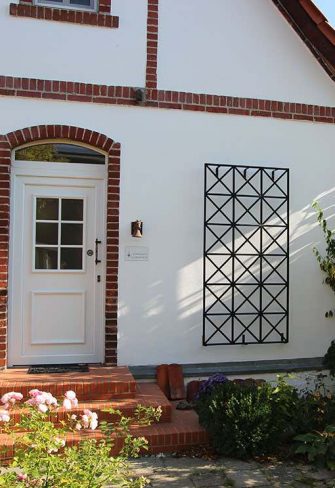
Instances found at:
x=58 y=368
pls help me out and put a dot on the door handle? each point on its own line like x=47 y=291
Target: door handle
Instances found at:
x=97 y=260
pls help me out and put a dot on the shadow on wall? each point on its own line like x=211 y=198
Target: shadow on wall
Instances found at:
x=170 y=309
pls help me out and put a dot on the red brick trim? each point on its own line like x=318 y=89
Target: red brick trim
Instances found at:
x=123 y=95
x=152 y=44
x=97 y=19
x=113 y=150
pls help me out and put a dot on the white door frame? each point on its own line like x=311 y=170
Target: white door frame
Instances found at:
x=66 y=171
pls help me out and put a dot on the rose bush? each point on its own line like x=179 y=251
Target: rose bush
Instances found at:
x=44 y=460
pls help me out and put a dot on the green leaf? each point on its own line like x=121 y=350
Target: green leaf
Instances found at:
x=302 y=449
x=306 y=437
x=330 y=464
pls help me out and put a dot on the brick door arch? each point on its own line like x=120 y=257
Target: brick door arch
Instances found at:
x=17 y=138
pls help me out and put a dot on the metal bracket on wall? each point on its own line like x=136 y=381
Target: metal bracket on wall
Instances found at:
x=246 y=251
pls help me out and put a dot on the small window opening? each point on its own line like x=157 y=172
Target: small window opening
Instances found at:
x=57 y=152
x=69 y=4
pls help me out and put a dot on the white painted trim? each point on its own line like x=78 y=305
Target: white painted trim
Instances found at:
x=59 y=170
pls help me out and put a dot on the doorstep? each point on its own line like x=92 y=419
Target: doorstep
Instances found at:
x=99 y=383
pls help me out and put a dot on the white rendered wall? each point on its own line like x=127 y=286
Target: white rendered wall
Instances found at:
x=64 y=51
x=163 y=153
x=233 y=47
x=239 y=48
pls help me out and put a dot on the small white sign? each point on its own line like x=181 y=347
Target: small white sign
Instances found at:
x=137 y=253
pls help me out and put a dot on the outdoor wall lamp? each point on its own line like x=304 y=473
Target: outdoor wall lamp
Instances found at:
x=137 y=228
x=140 y=95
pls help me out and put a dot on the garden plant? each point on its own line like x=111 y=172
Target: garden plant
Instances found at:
x=250 y=418
x=326 y=262
x=42 y=457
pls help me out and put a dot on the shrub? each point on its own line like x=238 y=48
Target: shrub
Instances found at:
x=327 y=262
x=42 y=458
x=319 y=447
x=315 y=413
x=329 y=359
x=246 y=419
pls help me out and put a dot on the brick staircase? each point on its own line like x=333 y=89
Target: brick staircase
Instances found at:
x=106 y=387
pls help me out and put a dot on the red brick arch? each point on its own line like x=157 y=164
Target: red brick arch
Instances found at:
x=113 y=151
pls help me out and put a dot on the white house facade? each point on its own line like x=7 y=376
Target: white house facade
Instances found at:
x=137 y=97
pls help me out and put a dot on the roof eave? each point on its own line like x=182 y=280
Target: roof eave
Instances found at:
x=313 y=28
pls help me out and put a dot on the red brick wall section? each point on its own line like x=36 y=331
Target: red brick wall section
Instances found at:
x=199 y=102
x=5 y=157
x=102 y=18
x=113 y=151
x=152 y=44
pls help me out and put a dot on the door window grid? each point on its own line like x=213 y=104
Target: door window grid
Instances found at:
x=58 y=255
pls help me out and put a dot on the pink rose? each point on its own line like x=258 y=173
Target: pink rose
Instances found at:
x=70 y=395
x=4 y=416
x=67 y=404
x=11 y=397
x=70 y=400
x=42 y=408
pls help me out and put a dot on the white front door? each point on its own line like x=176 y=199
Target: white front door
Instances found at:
x=57 y=266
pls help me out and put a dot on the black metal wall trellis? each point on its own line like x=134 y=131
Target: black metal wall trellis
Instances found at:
x=246 y=265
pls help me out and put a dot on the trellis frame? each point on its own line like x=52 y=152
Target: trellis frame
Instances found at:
x=263 y=328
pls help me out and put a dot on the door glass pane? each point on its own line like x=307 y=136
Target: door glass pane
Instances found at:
x=71 y=258
x=47 y=208
x=46 y=258
x=72 y=209
x=46 y=233
x=56 y=230
x=61 y=152
x=72 y=234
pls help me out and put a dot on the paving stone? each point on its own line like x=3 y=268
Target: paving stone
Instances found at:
x=208 y=480
x=282 y=472
x=172 y=484
x=321 y=475
x=188 y=463
x=164 y=479
x=301 y=484
x=236 y=464
x=248 y=478
x=184 y=472
x=281 y=484
x=145 y=466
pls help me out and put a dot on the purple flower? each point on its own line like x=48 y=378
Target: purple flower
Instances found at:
x=208 y=385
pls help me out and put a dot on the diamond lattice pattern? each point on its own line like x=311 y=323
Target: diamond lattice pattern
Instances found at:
x=245 y=255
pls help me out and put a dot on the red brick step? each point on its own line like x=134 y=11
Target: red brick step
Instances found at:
x=148 y=395
x=104 y=387
x=180 y=434
x=100 y=383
